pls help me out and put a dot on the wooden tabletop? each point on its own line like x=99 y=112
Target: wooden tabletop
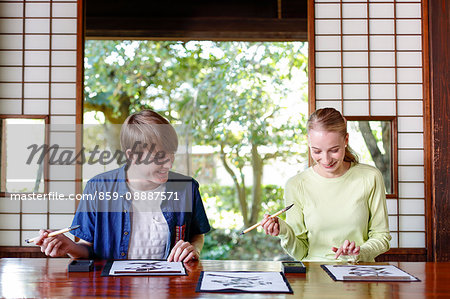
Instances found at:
x=49 y=278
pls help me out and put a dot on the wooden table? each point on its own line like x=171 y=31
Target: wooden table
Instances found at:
x=40 y=278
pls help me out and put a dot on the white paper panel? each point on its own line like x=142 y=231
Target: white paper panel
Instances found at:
x=382 y=59
x=64 y=10
x=62 y=172
x=328 y=27
x=411 y=190
x=354 y=42
x=10 y=74
x=68 y=122
x=63 y=206
x=410 y=173
x=409 y=59
x=11 y=10
x=328 y=43
x=36 y=74
x=327 y=11
x=63 y=90
x=9 y=206
x=381 y=10
x=63 y=107
x=393 y=225
x=356 y=108
x=37 y=26
x=10 y=42
x=34 y=206
x=64 y=74
x=34 y=221
x=37 y=10
x=36 y=90
x=409 y=27
x=410 y=140
x=410 y=108
x=355 y=75
x=328 y=59
x=354 y=26
x=37 y=58
x=11 y=26
x=63 y=139
x=10 y=90
x=8 y=106
x=9 y=238
x=65 y=188
x=64 y=26
x=356 y=91
x=11 y=58
x=409 y=42
x=409 y=91
x=36 y=106
x=410 y=157
x=38 y=42
x=64 y=58
x=382 y=108
x=411 y=240
x=391 y=205
x=355 y=59
x=382 y=42
x=382 y=91
x=334 y=104
x=412 y=223
x=354 y=10
x=412 y=206
x=326 y=92
x=10 y=222
x=381 y=26
x=68 y=42
x=408 y=10
x=410 y=124
x=409 y=75
x=60 y=221
x=328 y=75
x=382 y=75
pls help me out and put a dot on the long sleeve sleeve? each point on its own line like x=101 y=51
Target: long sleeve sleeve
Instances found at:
x=378 y=233
x=293 y=236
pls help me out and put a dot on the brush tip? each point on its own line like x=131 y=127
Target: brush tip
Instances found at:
x=241 y=233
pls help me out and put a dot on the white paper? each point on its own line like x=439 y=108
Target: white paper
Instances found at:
x=146 y=267
x=244 y=281
x=369 y=272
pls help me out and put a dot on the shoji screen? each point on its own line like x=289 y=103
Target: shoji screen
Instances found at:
x=38 y=57
x=369 y=62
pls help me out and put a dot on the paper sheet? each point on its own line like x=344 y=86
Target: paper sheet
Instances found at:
x=146 y=267
x=255 y=282
x=367 y=273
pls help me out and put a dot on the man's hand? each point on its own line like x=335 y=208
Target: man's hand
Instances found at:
x=56 y=246
x=183 y=252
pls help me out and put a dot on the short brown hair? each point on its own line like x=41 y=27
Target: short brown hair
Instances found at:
x=331 y=120
x=145 y=128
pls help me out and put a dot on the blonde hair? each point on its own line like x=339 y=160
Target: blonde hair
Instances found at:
x=331 y=120
x=145 y=129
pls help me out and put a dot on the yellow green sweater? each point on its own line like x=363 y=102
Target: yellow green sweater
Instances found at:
x=328 y=211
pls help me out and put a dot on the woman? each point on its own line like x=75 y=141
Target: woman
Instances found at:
x=339 y=207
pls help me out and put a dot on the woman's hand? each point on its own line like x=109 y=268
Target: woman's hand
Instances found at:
x=56 y=246
x=183 y=252
x=348 y=248
x=270 y=225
